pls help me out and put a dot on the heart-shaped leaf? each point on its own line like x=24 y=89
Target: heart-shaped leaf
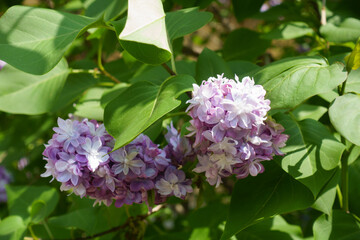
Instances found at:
x=185 y=21
x=139 y=106
x=348 y=30
x=291 y=81
x=312 y=152
x=25 y=93
x=144 y=35
x=35 y=39
x=345 y=116
x=209 y=65
x=270 y=193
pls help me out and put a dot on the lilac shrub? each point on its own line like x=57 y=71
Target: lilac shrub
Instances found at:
x=79 y=156
x=232 y=132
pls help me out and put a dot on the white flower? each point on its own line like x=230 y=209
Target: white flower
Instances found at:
x=94 y=152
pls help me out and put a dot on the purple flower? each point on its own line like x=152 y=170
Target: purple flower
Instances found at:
x=78 y=156
x=174 y=183
x=126 y=161
x=5 y=178
x=178 y=147
x=69 y=132
x=232 y=133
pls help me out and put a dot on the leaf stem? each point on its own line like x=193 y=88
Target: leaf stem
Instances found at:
x=48 y=230
x=173 y=66
x=90 y=71
x=345 y=178
x=338 y=191
x=99 y=61
x=169 y=70
x=32 y=233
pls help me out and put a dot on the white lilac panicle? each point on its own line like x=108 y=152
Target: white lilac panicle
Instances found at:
x=5 y=178
x=232 y=132
x=79 y=156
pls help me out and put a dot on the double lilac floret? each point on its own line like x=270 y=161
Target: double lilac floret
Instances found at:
x=232 y=132
x=79 y=156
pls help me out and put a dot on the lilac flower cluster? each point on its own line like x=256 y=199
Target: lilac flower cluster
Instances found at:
x=5 y=178
x=79 y=156
x=232 y=133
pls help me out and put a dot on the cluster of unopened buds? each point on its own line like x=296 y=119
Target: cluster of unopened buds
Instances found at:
x=232 y=136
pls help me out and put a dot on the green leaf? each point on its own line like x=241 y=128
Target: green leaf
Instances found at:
x=312 y=152
x=144 y=35
x=35 y=39
x=271 y=229
x=109 y=8
x=111 y=94
x=209 y=216
x=210 y=65
x=305 y=111
x=326 y=198
x=345 y=117
x=185 y=21
x=291 y=81
x=348 y=30
x=270 y=193
x=89 y=105
x=24 y=93
x=341 y=226
x=92 y=220
x=289 y=30
x=74 y=86
x=244 y=44
x=22 y=198
x=246 y=8
x=354 y=193
x=37 y=211
x=157 y=74
x=242 y=68
x=353 y=59
x=12 y=228
x=134 y=110
x=200 y=234
x=353 y=81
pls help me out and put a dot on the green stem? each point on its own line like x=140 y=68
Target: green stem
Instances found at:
x=90 y=71
x=345 y=178
x=99 y=62
x=339 y=196
x=173 y=64
x=32 y=233
x=48 y=230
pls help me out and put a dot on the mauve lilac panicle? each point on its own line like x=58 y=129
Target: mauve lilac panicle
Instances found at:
x=79 y=156
x=5 y=178
x=232 y=132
